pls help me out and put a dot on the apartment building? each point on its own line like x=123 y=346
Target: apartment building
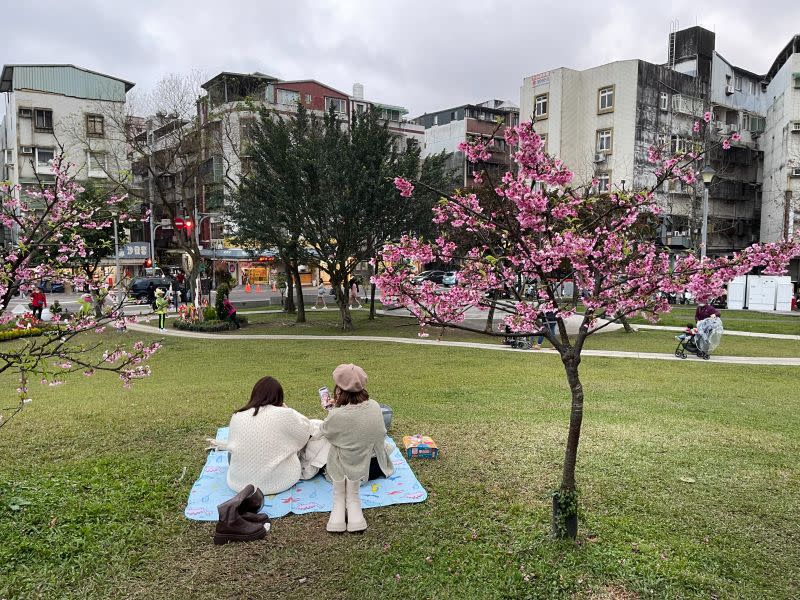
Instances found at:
x=54 y=109
x=780 y=212
x=601 y=122
x=446 y=129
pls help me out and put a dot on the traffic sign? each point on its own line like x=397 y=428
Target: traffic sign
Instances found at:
x=179 y=222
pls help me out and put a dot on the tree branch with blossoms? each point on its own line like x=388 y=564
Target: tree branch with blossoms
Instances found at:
x=539 y=231
x=48 y=224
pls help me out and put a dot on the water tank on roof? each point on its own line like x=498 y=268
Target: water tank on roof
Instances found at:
x=358 y=91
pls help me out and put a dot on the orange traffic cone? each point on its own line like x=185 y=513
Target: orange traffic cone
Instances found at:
x=247 y=288
x=258 y=288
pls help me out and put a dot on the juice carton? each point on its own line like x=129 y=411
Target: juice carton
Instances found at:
x=420 y=446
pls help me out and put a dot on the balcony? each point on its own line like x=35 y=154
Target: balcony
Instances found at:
x=687 y=105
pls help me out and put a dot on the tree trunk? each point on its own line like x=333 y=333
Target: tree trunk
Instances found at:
x=301 y=305
x=625 y=323
x=568 y=488
x=489 y=327
x=345 y=318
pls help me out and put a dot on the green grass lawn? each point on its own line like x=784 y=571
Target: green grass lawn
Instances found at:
x=94 y=479
x=741 y=320
x=326 y=323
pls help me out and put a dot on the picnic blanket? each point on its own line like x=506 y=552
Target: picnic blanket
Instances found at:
x=313 y=495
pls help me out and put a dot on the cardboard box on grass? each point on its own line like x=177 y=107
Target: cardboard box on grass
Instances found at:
x=420 y=446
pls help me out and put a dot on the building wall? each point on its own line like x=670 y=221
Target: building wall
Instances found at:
x=781 y=192
x=445 y=137
x=573 y=118
x=69 y=132
x=721 y=73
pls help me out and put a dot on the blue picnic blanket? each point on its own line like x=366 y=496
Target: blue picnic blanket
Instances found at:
x=313 y=495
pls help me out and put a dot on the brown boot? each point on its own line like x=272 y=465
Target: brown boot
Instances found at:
x=232 y=527
x=251 y=505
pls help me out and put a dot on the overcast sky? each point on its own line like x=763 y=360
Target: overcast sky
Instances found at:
x=425 y=55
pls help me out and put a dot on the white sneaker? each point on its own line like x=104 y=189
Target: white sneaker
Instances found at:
x=313 y=308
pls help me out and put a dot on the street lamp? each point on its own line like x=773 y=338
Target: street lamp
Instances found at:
x=707 y=174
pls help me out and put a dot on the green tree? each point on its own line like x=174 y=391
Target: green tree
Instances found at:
x=319 y=191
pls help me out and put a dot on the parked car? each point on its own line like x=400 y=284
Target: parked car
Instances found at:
x=434 y=276
x=52 y=287
x=139 y=286
x=449 y=278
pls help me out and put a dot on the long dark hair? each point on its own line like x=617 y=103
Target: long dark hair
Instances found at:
x=266 y=392
x=343 y=397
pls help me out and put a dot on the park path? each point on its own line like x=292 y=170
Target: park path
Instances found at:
x=736 y=360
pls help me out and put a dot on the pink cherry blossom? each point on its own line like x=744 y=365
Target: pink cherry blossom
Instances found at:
x=707 y=116
x=404 y=186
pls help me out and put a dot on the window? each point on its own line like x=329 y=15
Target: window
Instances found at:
x=288 y=97
x=43 y=119
x=96 y=164
x=737 y=83
x=43 y=158
x=544 y=141
x=540 y=106
x=664 y=101
x=94 y=125
x=361 y=107
x=246 y=127
x=308 y=98
x=603 y=182
x=338 y=105
x=453 y=115
x=752 y=87
x=435 y=119
x=604 y=141
x=25 y=113
x=605 y=99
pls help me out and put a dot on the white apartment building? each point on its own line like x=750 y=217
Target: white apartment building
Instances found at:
x=780 y=208
x=54 y=109
x=602 y=120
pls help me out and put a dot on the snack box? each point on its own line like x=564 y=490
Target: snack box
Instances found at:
x=420 y=446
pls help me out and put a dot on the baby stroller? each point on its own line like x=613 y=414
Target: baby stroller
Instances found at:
x=520 y=343
x=702 y=343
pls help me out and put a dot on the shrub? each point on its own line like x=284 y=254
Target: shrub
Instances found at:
x=210 y=314
x=207 y=326
x=14 y=334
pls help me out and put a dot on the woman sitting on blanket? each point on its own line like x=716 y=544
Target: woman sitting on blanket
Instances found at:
x=271 y=445
x=354 y=427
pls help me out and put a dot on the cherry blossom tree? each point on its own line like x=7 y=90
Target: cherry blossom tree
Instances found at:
x=49 y=224
x=542 y=231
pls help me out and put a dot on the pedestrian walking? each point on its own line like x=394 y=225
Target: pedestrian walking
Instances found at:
x=162 y=304
x=321 y=293
x=551 y=322
x=231 y=310
x=354 y=295
x=151 y=294
x=38 y=303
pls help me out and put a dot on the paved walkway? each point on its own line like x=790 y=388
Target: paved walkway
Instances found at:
x=737 y=360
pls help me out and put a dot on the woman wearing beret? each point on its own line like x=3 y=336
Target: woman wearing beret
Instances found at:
x=355 y=429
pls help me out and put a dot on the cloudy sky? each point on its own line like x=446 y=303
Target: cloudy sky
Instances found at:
x=425 y=55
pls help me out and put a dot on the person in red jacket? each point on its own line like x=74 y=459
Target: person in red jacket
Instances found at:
x=38 y=302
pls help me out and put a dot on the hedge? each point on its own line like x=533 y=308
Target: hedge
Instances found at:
x=207 y=326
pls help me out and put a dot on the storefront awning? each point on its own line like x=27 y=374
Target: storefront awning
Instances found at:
x=235 y=254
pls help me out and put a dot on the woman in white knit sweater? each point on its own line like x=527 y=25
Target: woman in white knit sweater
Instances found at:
x=264 y=439
x=358 y=451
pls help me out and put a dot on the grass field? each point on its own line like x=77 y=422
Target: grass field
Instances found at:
x=688 y=477
x=326 y=323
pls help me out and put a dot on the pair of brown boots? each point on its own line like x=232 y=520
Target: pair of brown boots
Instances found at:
x=239 y=519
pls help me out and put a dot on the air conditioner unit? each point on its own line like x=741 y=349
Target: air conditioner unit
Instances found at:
x=599 y=157
x=729 y=90
x=26 y=149
x=796 y=127
x=25 y=113
x=795 y=171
